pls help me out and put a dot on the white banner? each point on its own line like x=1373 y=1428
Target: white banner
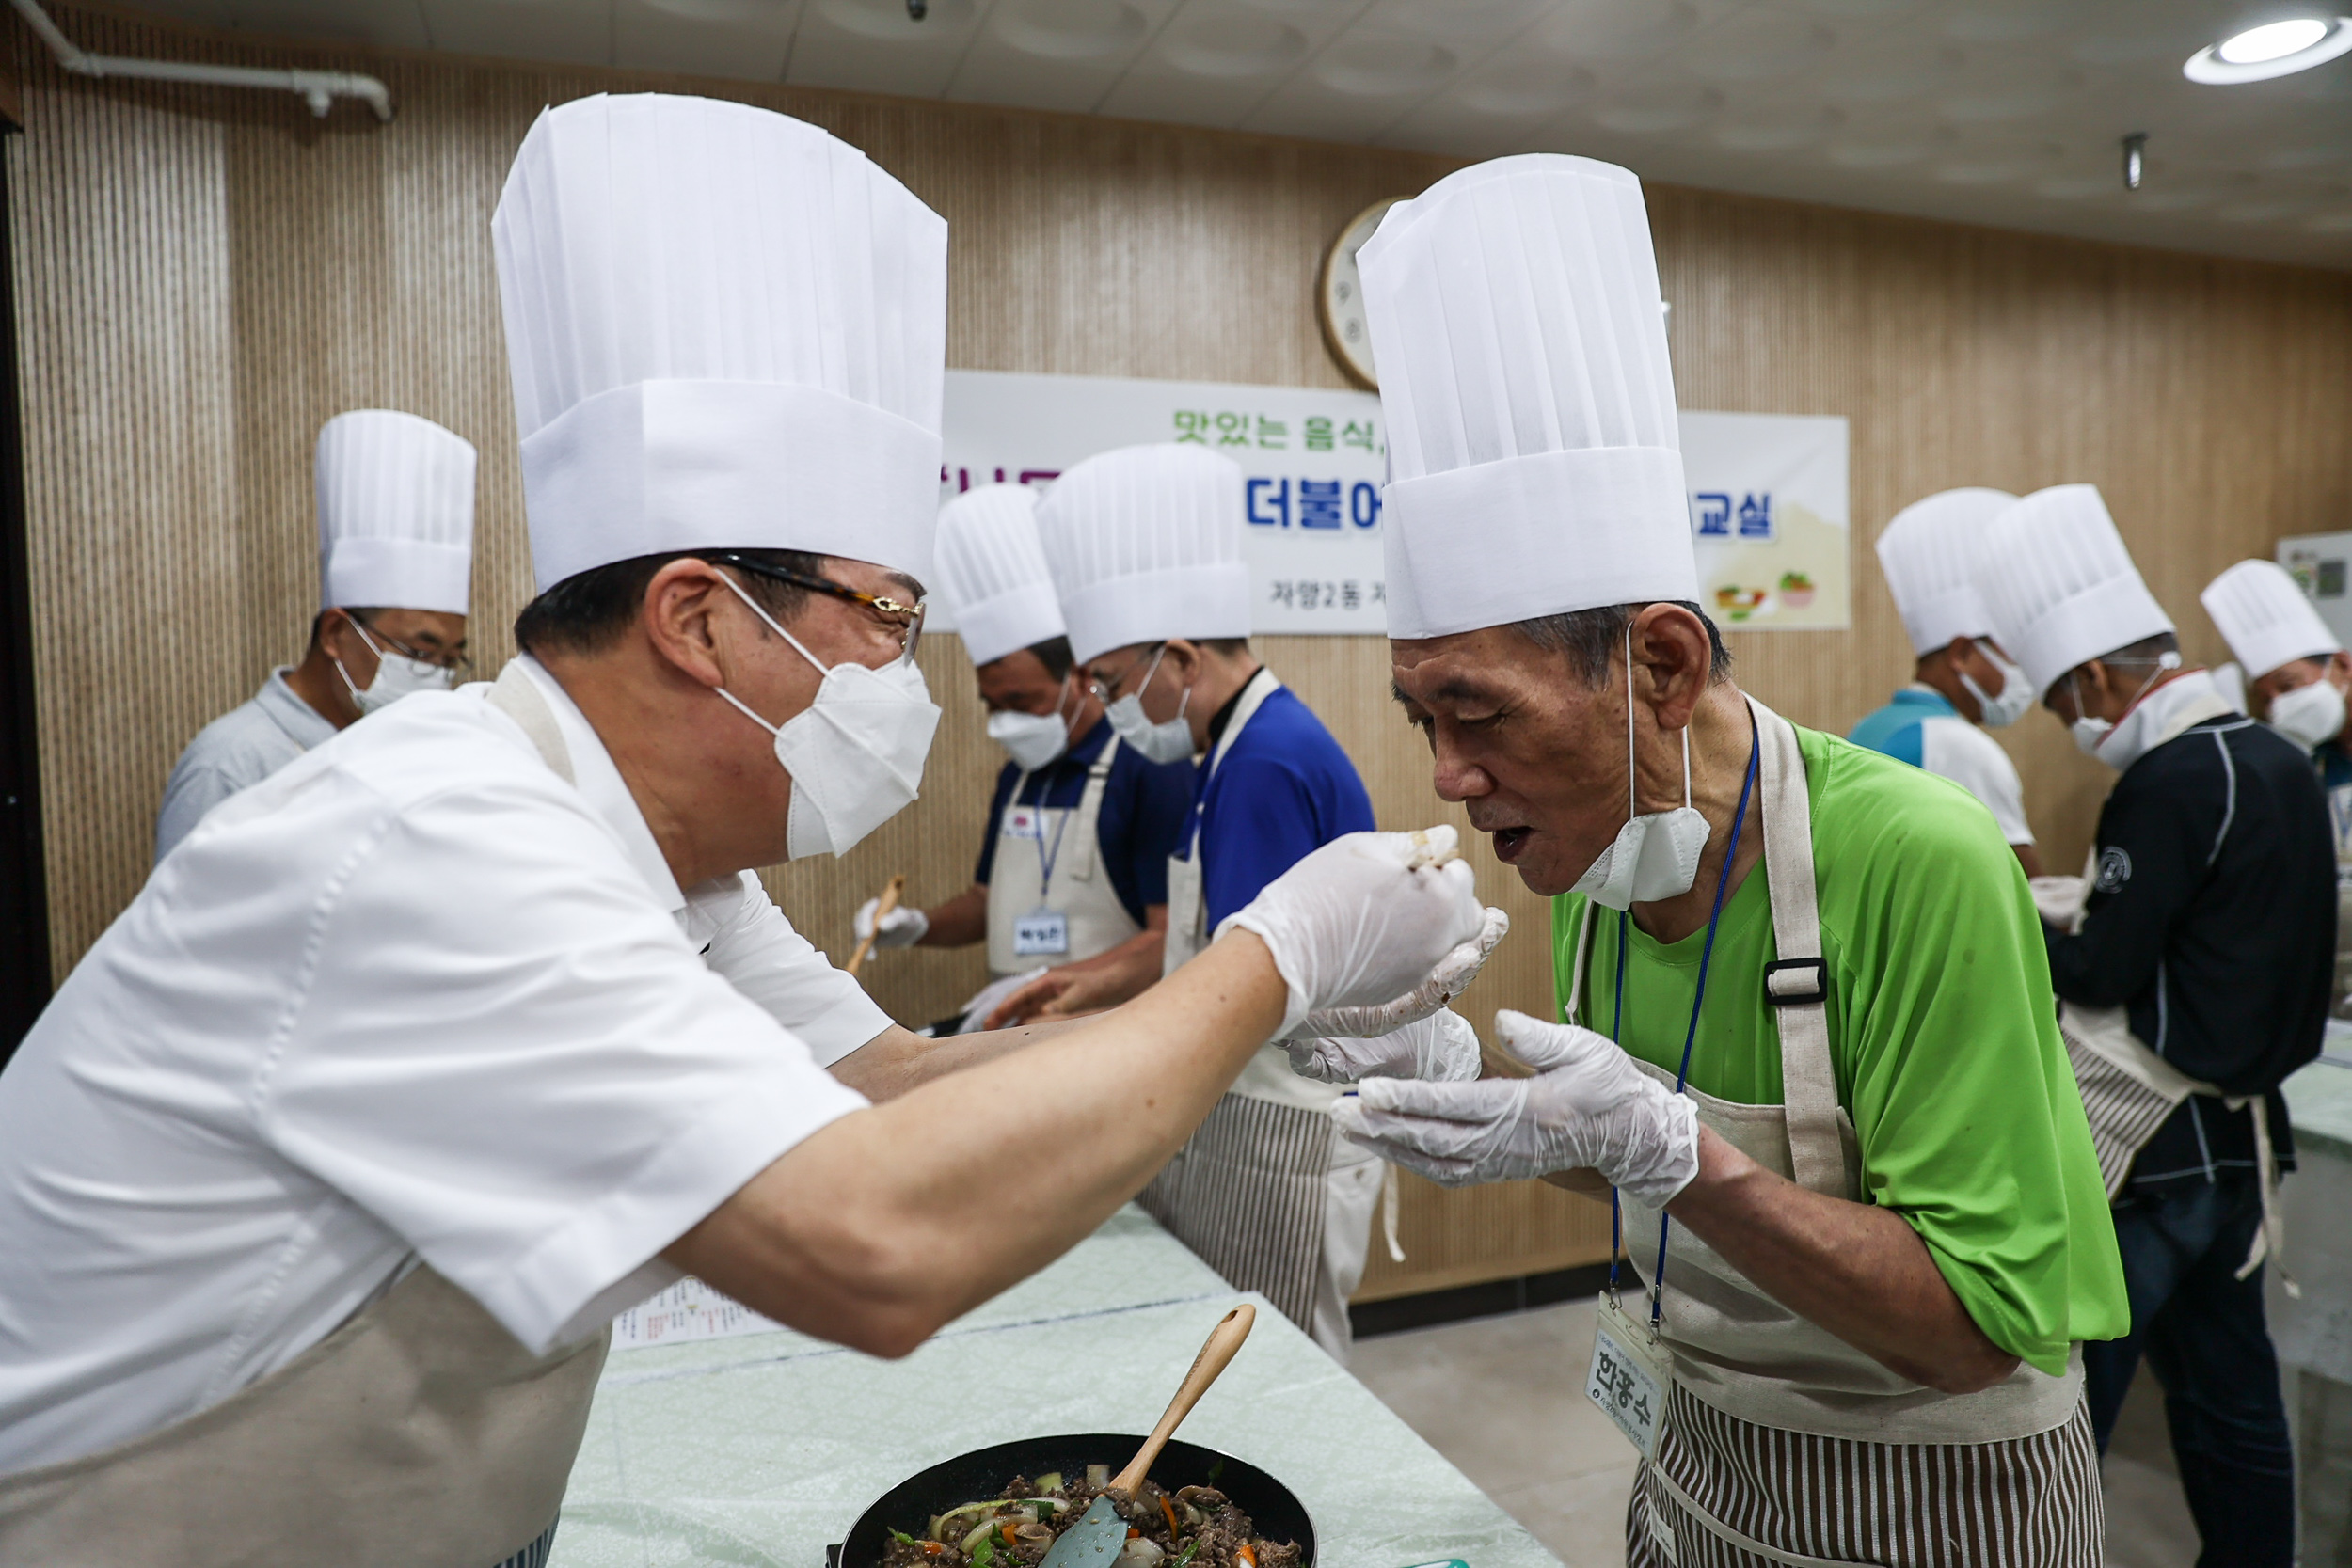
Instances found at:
x=1768 y=491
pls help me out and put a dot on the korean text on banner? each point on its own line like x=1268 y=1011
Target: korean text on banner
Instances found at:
x=1768 y=491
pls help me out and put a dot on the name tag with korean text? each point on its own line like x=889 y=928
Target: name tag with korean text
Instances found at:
x=1024 y=822
x=1632 y=1372
x=1041 y=933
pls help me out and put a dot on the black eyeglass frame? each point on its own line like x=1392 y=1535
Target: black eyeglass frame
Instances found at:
x=881 y=604
x=459 y=664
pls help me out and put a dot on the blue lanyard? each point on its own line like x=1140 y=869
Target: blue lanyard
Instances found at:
x=1045 y=857
x=1683 y=1074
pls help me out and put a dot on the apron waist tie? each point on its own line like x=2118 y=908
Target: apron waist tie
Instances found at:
x=2270 y=1239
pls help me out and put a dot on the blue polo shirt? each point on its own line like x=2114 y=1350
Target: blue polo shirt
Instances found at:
x=1145 y=807
x=1282 y=789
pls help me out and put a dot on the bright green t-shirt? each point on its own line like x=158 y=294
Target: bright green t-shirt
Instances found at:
x=1942 y=1028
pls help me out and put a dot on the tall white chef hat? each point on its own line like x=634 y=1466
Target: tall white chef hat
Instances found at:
x=2265 y=618
x=1929 y=553
x=1534 y=457
x=993 y=573
x=2061 y=585
x=395 y=512
x=727 y=329
x=1145 y=545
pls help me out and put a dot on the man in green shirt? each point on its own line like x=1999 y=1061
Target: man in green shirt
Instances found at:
x=1889 y=1235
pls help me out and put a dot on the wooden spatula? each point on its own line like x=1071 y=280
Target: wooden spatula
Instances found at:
x=1096 y=1539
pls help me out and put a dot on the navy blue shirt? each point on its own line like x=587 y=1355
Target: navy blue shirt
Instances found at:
x=1145 y=806
x=1283 y=790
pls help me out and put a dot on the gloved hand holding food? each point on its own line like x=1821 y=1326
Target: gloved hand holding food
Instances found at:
x=901 y=928
x=1588 y=1106
x=1453 y=974
x=1365 y=919
x=1441 y=1048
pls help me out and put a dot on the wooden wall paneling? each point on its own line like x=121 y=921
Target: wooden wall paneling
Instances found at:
x=204 y=276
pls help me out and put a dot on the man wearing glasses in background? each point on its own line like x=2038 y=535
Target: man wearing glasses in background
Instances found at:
x=395 y=498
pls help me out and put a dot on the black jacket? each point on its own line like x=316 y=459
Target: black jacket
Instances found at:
x=2212 y=918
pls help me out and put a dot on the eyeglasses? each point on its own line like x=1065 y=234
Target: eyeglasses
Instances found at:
x=906 y=618
x=1103 y=694
x=456 y=663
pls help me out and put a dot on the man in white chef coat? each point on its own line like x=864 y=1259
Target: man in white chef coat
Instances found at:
x=1962 y=682
x=395 y=504
x=1887 y=1235
x=324 y=1171
x=1072 y=873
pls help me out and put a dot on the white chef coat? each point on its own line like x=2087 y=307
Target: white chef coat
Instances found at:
x=411 y=995
x=1956 y=750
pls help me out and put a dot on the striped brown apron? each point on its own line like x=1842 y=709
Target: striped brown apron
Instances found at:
x=1783 y=1444
x=1256 y=1192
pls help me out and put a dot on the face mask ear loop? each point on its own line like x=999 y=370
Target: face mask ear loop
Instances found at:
x=745 y=711
x=1686 y=766
x=822 y=667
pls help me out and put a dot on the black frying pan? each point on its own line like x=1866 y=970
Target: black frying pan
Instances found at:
x=983 y=1473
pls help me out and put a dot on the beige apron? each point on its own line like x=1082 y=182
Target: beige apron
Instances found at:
x=1081 y=887
x=2129 y=1091
x=419 y=1434
x=1783 y=1444
x=1266 y=1193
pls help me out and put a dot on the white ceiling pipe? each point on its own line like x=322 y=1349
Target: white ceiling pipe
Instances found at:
x=319 y=88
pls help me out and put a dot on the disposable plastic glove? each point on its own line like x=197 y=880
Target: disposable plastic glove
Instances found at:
x=1363 y=920
x=1442 y=1048
x=1452 y=976
x=901 y=928
x=1587 y=1107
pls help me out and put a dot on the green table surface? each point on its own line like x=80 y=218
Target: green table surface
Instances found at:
x=763 y=1448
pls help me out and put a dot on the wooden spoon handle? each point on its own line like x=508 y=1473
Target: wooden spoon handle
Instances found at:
x=889 y=901
x=1224 y=1340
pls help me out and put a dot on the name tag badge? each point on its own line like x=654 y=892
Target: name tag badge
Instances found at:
x=1631 y=1375
x=1041 y=933
x=1024 y=822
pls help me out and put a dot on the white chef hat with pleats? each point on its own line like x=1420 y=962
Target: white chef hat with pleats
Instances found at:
x=1929 y=553
x=395 y=498
x=2061 y=585
x=992 y=575
x=727 y=329
x=2267 y=619
x=1145 y=545
x=1534 y=457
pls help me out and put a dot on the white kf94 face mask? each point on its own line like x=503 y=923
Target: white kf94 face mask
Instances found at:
x=396 y=676
x=2310 y=715
x=855 y=753
x=2118 y=745
x=1657 y=853
x=1169 y=741
x=2007 y=705
x=1032 y=739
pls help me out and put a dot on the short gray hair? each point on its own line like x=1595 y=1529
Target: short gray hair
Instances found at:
x=1588 y=637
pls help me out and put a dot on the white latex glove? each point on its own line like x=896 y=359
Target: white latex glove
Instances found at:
x=1442 y=1048
x=1587 y=1107
x=1363 y=920
x=901 y=928
x=2060 y=900
x=1452 y=976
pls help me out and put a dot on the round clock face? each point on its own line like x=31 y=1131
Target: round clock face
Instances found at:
x=1340 y=296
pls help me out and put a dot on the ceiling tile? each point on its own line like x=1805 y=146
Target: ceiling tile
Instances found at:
x=745 y=40
x=389 y=24
x=873 y=46
x=569 y=30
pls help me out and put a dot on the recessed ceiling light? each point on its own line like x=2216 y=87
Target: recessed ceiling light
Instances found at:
x=2275 y=49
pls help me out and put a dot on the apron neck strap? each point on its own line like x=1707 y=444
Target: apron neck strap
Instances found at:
x=1796 y=983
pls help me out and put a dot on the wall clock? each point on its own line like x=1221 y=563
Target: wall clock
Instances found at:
x=1340 y=296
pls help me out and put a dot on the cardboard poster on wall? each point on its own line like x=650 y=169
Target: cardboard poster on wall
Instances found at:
x=1768 y=491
